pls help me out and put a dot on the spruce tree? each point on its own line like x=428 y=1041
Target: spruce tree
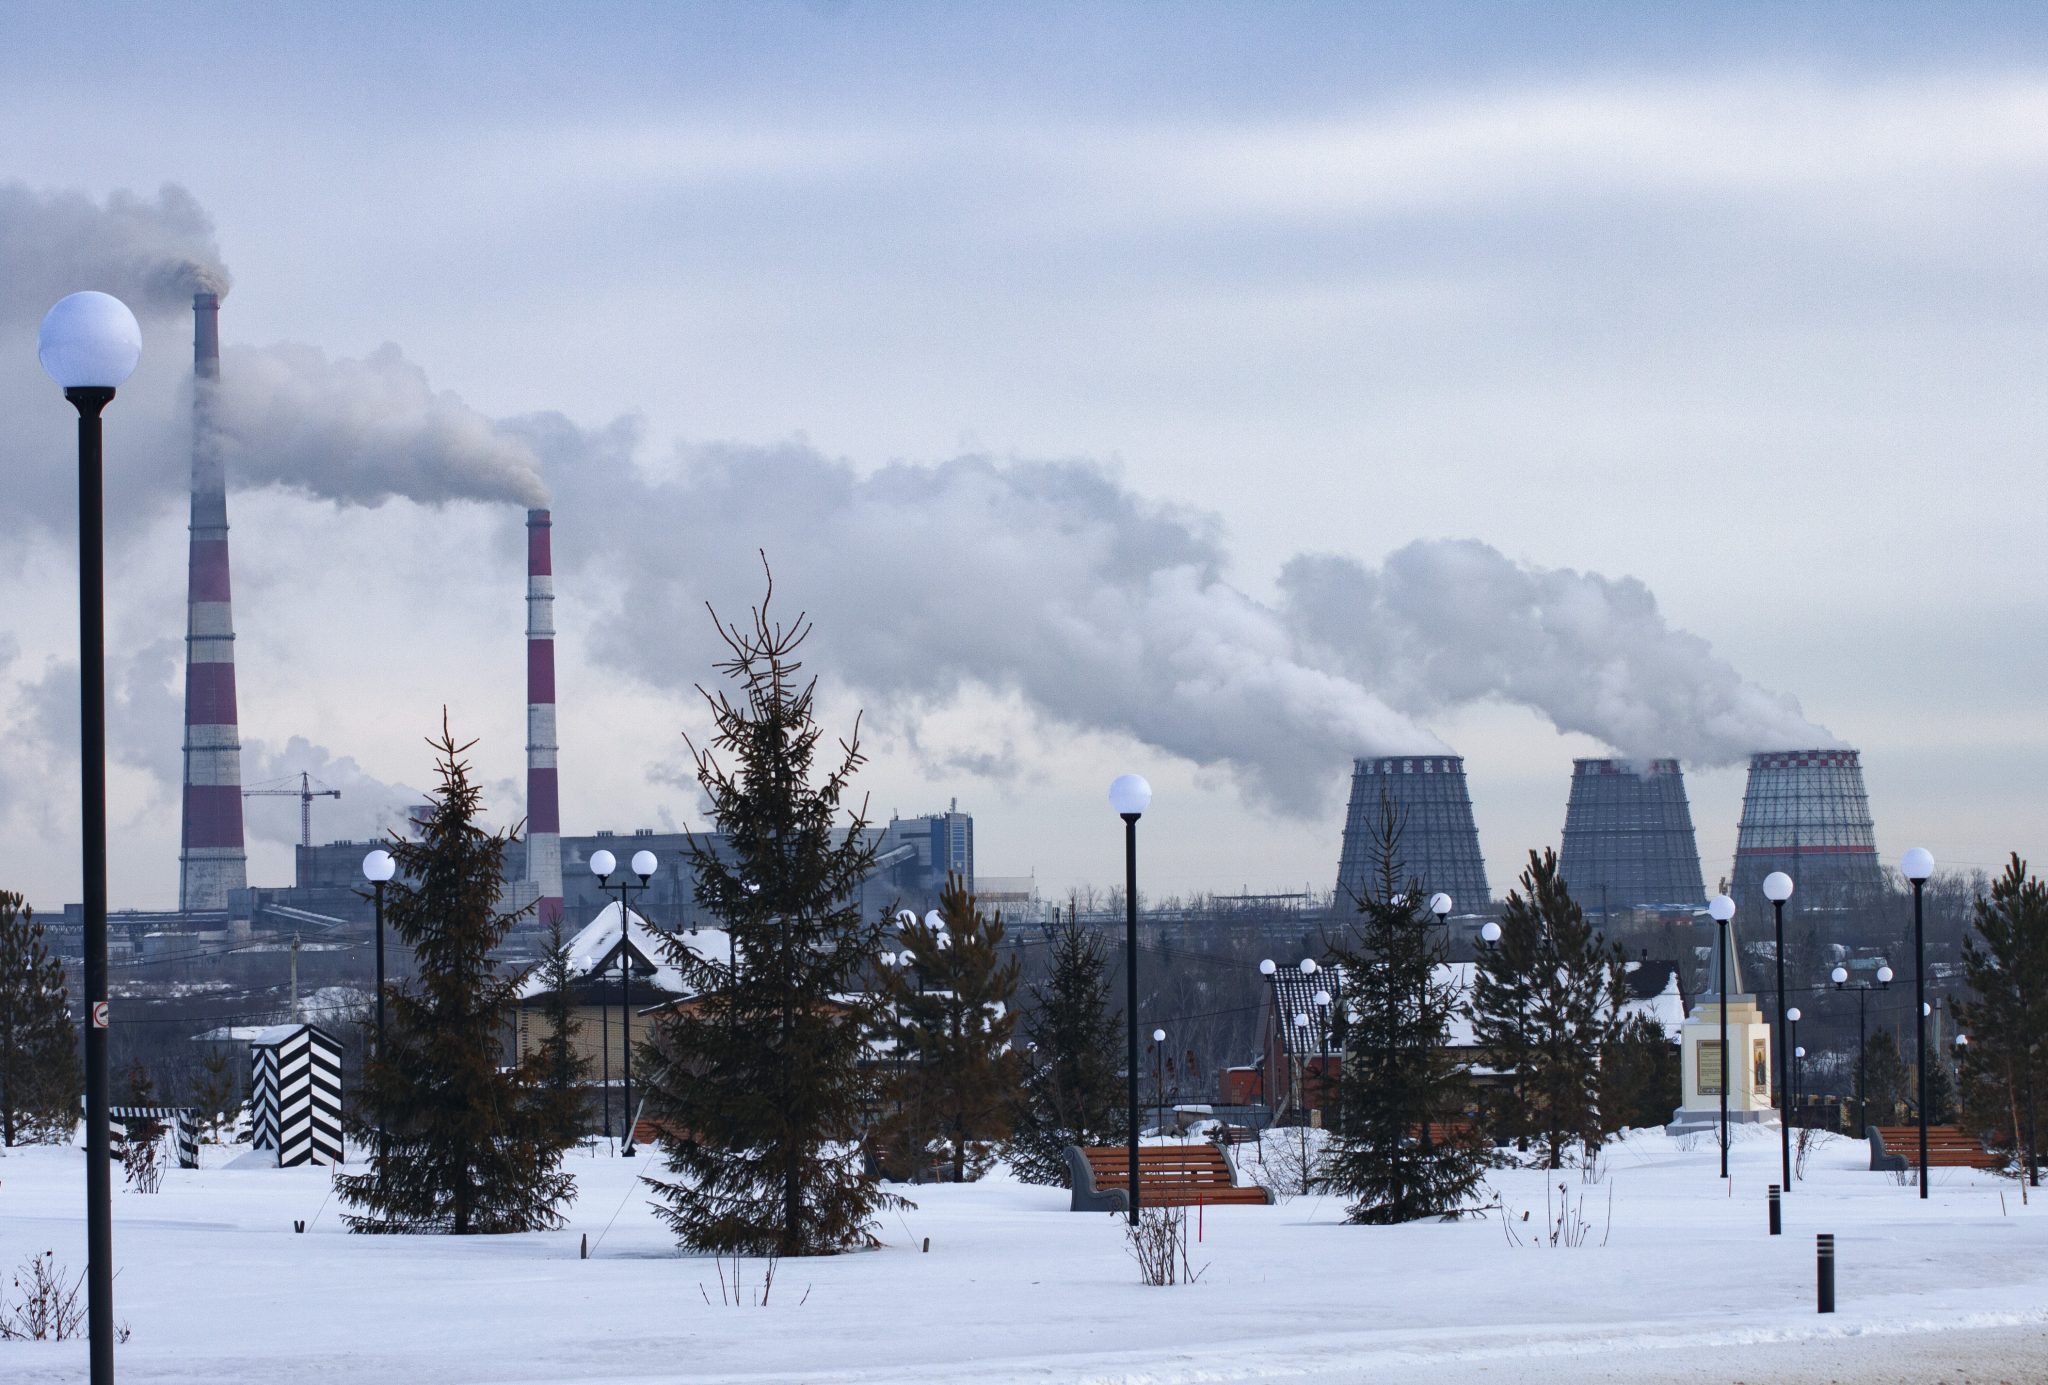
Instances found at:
x=760 y=1077
x=39 y=1079
x=1557 y=1015
x=2005 y=1063
x=1885 y=1080
x=217 y=1089
x=465 y=1143
x=947 y=1016
x=140 y=1146
x=563 y=1066
x=1073 y=1090
x=1394 y=1154
x=1639 y=1076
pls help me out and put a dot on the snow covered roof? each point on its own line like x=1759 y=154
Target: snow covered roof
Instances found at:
x=597 y=946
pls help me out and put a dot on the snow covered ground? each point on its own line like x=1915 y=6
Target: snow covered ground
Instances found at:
x=1687 y=1287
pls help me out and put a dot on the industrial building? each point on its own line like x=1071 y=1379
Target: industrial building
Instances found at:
x=912 y=857
x=1805 y=812
x=1438 y=842
x=1628 y=838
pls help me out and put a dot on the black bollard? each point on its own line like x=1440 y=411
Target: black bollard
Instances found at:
x=1777 y=1213
x=1824 y=1251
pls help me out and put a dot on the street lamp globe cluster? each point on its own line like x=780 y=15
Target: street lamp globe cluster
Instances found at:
x=89 y=343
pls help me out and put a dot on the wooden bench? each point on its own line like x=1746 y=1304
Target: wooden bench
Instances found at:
x=1227 y=1134
x=1895 y=1147
x=1178 y=1175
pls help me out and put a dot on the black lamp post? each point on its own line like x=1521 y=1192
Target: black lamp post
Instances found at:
x=1778 y=889
x=1793 y=1054
x=1159 y=1081
x=89 y=343
x=1916 y=865
x=378 y=867
x=602 y=864
x=1130 y=795
x=1840 y=976
x=1722 y=908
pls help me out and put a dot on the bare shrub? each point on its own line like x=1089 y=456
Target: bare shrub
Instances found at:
x=1158 y=1241
x=1565 y=1227
x=1803 y=1145
x=43 y=1306
x=1294 y=1160
x=739 y=1292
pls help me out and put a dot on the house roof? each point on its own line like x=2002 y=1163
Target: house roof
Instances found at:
x=597 y=947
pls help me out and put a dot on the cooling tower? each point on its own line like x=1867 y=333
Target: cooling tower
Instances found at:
x=543 y=797
x=211 y=860
x=1628 y=839
x=1805 y=813
x=1439 y=843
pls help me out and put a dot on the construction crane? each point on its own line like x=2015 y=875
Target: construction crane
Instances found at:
x=305 y=793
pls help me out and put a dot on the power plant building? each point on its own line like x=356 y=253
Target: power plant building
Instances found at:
x=1805 y=812
x=1431 y=811
x=1628 y=838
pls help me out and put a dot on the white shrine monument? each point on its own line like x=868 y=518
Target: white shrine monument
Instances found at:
x=1700 y=1058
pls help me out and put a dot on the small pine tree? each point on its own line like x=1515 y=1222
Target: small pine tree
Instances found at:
x=39 y=1081
x=1639 y=1076
x=1392 y=1153
x=466 y=1144
x=141 y=1146
x=948 y=1018
x=760 y=1079
x=1885 y=1081
x=562 y=1064
x=216 y=1089
x=1558 y=1014
x=1073 y=1091
x=2005 y=1063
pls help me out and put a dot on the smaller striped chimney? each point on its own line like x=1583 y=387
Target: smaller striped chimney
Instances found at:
x=543 y=799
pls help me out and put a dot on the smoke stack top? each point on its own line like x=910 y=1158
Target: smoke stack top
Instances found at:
x=206 y=335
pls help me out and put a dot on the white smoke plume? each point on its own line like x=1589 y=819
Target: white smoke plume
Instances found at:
x=352 y=431
x=1446 y=622
x=152 y=254
x=362 y=431
x=1103 y=611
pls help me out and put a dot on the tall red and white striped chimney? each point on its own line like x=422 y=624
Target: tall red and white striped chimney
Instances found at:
x=211 y=859
x=543 y=795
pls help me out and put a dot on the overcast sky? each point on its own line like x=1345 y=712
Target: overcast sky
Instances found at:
x=1211 y=391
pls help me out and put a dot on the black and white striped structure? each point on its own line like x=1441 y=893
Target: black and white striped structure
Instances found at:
x=181 y=1128
x=1432 y=812
x=295 y=1094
